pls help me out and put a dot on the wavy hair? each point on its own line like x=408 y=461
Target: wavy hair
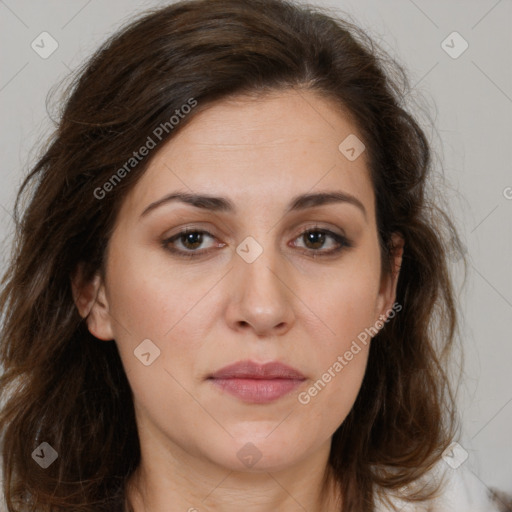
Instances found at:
x=63 y=387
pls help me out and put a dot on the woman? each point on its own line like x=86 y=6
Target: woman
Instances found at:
x=227 y=276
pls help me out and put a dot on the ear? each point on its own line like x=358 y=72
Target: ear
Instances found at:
x=388 y=284
x=92 y=304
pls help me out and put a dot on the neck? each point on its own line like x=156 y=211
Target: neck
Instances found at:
x=168 y=484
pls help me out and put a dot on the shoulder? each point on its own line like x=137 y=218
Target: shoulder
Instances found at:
x=460 y=491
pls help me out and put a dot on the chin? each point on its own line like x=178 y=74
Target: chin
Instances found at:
x=261 y=452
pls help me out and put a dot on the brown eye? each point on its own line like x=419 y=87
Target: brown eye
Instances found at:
x=192 y=240
x=315 y=240
x=187 y=242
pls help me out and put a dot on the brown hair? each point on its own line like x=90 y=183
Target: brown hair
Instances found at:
x=61 y=386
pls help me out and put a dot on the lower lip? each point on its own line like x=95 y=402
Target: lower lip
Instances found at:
x=258 y=391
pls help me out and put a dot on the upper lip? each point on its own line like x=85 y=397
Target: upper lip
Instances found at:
x=252 y=370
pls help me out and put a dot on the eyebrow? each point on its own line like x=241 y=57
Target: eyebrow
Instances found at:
x=222 y=204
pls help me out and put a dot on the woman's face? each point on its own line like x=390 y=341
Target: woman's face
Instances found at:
x=247 y=284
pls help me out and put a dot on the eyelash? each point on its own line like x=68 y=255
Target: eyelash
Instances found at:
x=341 y=240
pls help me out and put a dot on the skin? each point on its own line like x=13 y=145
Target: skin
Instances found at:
x=216 y=309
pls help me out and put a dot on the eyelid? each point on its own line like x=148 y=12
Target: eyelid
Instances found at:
x=190 y=253
x=320 y=226
x=341 y=240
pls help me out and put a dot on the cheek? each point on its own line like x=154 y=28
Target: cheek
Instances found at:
x=171 y=309
x=347 y=304
x=328 y=400
x=152 y=299
x=149 y=304
x=347 y=308
x=340 y=366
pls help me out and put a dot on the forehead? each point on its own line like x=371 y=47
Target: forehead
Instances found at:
x=265 y=123
x=260 y=148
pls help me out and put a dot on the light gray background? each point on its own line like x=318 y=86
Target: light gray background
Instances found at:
x=470 y=102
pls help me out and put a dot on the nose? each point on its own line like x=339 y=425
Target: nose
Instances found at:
x=261 y=299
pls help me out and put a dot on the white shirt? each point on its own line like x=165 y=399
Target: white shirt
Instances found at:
x=461 y=491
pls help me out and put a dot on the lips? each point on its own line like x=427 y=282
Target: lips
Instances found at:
x=257 y=383
x=251 y=370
